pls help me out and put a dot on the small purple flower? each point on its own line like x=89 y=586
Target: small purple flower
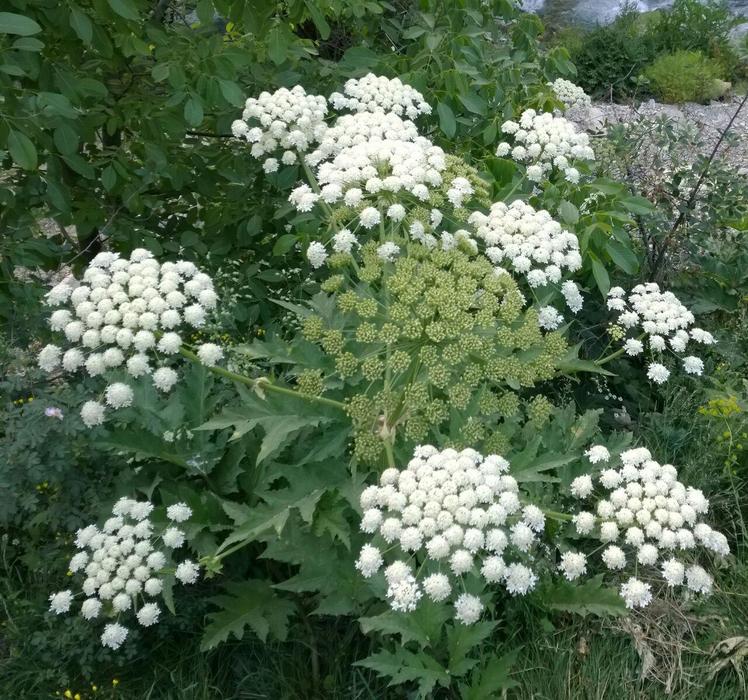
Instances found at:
x=53 y=412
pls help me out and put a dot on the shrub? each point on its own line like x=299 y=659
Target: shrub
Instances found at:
x=684 y=76
x=610 y=58
x=693 y=25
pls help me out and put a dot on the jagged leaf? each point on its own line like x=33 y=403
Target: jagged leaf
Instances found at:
x=490 y=678
x=403 y=666
x=252 y=604
x=589 y=598
x=461 y=640
x=422 y=626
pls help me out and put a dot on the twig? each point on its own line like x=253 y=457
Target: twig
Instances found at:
x=65 y=235
x=209 y=134
x=695 y=191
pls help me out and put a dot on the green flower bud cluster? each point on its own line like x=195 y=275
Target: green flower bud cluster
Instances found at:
x=310 y=382
x=433 y=336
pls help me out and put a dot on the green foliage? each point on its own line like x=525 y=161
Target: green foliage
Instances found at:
x=610 y=58
x=684 y=76
x=250 y=603
x=116 y=115
x=694 y=25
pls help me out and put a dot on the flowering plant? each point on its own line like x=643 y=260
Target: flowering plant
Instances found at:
x=434 y=317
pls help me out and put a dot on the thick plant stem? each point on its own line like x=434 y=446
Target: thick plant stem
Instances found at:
x=389 y=452
x=262 y=383
x=610 y=357
x=615 y=354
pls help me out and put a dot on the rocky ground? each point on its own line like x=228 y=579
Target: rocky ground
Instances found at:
x=710 y=119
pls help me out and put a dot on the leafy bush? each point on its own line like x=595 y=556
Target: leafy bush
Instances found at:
x=684 y=76
x=353 y=274
x=610 y=58
x=694 y=25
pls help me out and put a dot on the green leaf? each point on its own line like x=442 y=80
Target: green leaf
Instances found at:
x=273 y=515
x=284 y=243
x=473 y=102
x=623 y=256
x=66 y=139
x=124 y=8
x=252 y=604
x=601 y=275
x=571 y=363
x=193 y=111
x=569 y=213
x=318 y=18
x=142 y=445
x=81 y=24
x=160 y=72
x=28 y=43
x=12 y=69
x=446 y=119
x=277 y=45
x=56 y=104
x=403 y=666
x=281 y=418
x=638 y=205
x=589 y=598
x=526 y=466
x=109 y=178
x=492 y=677
x=231 y=92
x=422 y=626
x=11 y=23
x=22 y=151
x=205 y=11
x=461 y=640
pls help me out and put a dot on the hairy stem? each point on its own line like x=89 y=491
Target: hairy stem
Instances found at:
x=262 y=383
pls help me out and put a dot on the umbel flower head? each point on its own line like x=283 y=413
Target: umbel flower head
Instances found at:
x=545 y=142
x=426 y=334
x=374 y=93
x=449 y=520
x=284 y=123
x=122 y=316
x=663 y=322
x=531 y=242
x=572 y=96
x=648 y=522
x=123 y=563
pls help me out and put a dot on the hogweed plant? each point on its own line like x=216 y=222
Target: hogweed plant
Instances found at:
x=436 y=332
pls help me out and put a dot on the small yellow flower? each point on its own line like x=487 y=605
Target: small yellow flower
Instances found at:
x=68 y=693
x=77 y=696
x=94 y=687
x=115 y=682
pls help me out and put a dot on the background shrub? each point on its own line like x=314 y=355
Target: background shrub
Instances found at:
x=609 y=59
x=684 y=76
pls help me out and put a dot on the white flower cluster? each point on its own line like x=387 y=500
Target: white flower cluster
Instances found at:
x=448 y=515
x=123 y=313
x=665 y=323
x=354 y=129
x=287 y=120
x=545 y=141
x=570 y=94
x=534 y=244
x=123 y=564
x=361 y=174
x=375 y=93
x=648 y=519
